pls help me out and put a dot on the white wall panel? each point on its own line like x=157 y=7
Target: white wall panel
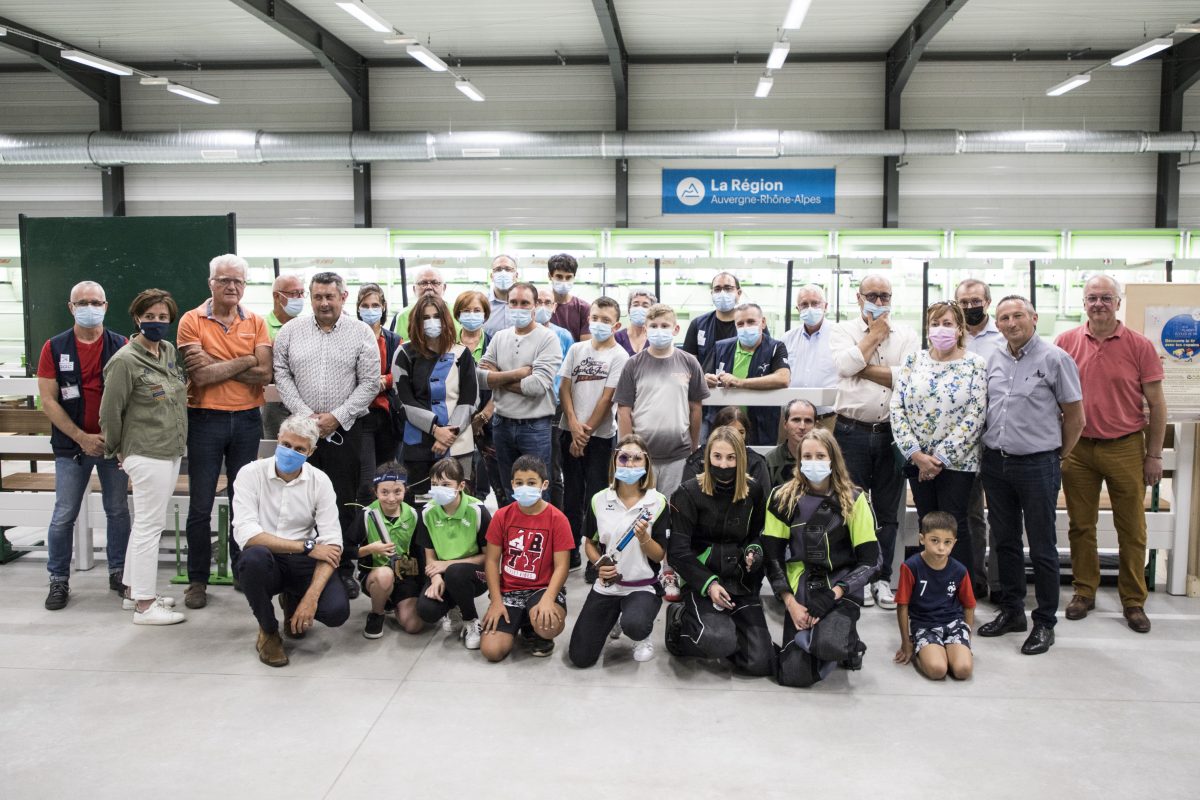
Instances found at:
x=48 y=192
x=31 y=101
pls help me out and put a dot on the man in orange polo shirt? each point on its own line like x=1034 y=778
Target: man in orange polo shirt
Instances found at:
x=1120 y=373
x=227 y=352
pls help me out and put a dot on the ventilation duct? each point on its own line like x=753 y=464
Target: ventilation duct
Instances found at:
x=259 y=147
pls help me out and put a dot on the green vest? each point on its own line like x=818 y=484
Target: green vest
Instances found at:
x=454 y=536
x=399 y=532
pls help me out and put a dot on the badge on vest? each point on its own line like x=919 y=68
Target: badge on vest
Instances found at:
x=70 y=392
x=65 y=364
x=701 y=337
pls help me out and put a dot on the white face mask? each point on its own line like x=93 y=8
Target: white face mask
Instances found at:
x=561 y=288
x=503 y=280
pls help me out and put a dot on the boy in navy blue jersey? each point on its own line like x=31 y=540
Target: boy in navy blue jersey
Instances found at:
x=935 y=604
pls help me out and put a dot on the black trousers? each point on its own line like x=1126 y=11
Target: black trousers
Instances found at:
x=265 y=574
x=463 y=585
x=598 y=615
x=739 y=635
x=582 y=477
x=342 y=463
x=378 y=447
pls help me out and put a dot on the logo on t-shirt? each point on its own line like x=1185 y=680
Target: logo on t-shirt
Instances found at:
x=523 y=553
x=590 y=369
x=951 y=589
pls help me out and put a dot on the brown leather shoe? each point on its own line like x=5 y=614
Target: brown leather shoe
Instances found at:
x=270 y=649
x=289 y=607
x=196 y=595
x=1137 y=619
x=1079 y=606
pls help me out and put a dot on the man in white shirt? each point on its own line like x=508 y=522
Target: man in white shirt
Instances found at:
x=867 y=352
x=287 y=525
x=808 y=350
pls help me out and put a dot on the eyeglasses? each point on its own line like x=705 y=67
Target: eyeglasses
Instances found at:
x=91 y=303
x=877 y=297
x=296 y=295
x=1106 y=299
x=726 y=288
x=227 y=282
x=625 y=459
x=428 y=284
x=973 y=303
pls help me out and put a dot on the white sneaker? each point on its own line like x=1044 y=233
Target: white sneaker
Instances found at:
x=643 y=650
x=453 y=621
x=129 y=604
x=157 y=614
x=883 y=595
x=868 y=598
x=615 y=633
x=471 y=634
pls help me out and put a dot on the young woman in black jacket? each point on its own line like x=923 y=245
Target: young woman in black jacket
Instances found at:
x=716 y=549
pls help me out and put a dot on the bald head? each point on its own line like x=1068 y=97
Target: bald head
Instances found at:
x=877 y=290
x=89 y=289
x=287 y=287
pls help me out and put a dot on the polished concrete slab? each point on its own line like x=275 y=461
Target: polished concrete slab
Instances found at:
x=94 y=706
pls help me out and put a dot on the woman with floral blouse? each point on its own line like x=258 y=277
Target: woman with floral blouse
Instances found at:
x=938 y=410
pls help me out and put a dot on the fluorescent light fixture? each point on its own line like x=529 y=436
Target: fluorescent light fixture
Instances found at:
x=795 y=14
x=1141 y=51
x=3 y=31
x=400 y=39
x=427 y=57
x=764 y=86
x=1190 y=27
x=1073 y=82
x=366 y=16
x=193 y=94
x=80 y=57
x=779 y=54
x=468 y=88
x=152 y=80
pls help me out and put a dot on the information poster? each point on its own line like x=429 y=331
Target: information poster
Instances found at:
x=1175 y=332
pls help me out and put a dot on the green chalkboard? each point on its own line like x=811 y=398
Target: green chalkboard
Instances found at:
x=124 y=255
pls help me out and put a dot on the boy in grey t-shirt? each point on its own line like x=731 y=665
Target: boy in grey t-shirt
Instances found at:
x=658 y=398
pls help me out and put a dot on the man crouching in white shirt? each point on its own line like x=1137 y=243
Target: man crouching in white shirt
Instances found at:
x=286 y=521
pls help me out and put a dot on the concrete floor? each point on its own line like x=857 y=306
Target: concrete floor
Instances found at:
x=94 y=706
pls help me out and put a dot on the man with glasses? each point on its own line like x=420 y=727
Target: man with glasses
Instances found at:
x=867 y=352
x=70 y=377
x=706 y=330
x=809 y=356
x=287 y=295
x=428 y=282
x=504 y=277
x=1121 y=374
x=227 y=352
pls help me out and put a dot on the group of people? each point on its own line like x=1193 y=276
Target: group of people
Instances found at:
x=592 y=435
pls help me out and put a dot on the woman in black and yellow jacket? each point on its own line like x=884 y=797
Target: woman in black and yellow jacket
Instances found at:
x=820 y=545
x=715 y=548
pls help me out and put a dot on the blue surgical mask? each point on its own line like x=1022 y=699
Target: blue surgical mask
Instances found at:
x=153 y=331
x=629 y=475
x=748 y=337
x=660 y=337
x=874 y=311
x=442 y=495
x=812 y=316
x=471 y=320
x=89 y=316
x=526 y=496
x=724 y=301
x=288 y=460
x=816 y=471
x=371 y=316
x=637 y=315
x=543 y=315
x=294 y=306
x=600 y=331
x=561 y=288
x=503 y=281
x=520 y=317
x=432 y=328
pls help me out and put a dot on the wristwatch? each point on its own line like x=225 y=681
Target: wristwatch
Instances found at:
x=309 y=544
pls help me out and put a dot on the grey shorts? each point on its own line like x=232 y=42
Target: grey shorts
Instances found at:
x=955 y=632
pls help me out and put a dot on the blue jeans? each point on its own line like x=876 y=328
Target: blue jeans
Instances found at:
x=1024 y=488
x=873 y=469
x=71 y=476
x=514 y=438
x=214 y=437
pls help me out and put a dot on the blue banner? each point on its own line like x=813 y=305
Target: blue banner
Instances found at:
x=748 y=191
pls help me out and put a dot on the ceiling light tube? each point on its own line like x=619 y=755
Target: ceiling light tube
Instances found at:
x=764 y=86
x=468 y=88
x=795 y=14
x=3 y=31
x=1073 y=82
x=427 y=57
x=193 y=94
x=779 y=54
x=400 y=38
x=1141 y=51
x=153 y=80
x=366 y=16
x=80 y=57
x=1190 y=27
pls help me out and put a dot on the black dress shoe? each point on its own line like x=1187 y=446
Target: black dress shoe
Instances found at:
x=1039 y=641
x=1007 y=621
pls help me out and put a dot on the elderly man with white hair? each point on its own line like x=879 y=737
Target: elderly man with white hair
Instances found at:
x=809 y=356
x=227 y=352
x=291 y=539
x=428 y=280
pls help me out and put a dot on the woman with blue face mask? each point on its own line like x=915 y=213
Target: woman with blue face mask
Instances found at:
x=379 y=428
x=633 y=336
x=472 y=309
x=625 y=539
x=436 y=386
x=820 y=544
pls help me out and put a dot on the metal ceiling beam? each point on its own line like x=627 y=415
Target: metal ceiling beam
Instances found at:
x=340 y=60
x=902 y=59
x=105 y=89
x=1180 y=72
x=618 y=63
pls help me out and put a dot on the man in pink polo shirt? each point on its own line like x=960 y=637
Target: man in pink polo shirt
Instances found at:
x=1120 y=373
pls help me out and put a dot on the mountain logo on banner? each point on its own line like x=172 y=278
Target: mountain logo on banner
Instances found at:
x=690 y=191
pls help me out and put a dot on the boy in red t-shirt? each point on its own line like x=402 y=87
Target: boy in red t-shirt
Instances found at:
x=529 y=548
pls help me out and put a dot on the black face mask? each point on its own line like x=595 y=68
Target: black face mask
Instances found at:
x=722 y=474
x=974 y=316
x=153 y=331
